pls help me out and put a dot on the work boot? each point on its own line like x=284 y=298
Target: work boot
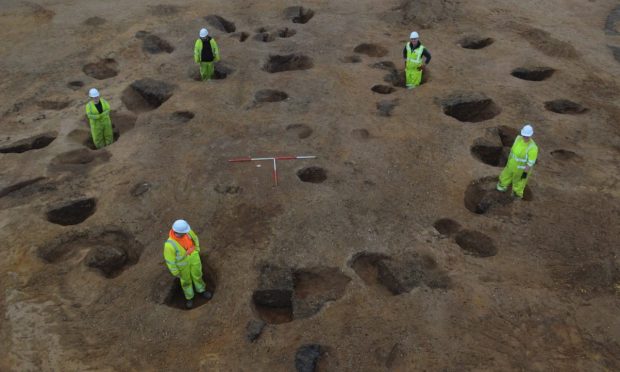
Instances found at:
x=207 y=295
x=189 y=304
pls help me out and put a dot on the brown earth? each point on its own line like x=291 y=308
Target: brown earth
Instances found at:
x=396 y=254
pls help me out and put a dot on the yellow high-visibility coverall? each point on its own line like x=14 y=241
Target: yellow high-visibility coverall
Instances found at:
x=187 y=267
x=100 y=123
x=413 y=74
x=207 y=68
x=521 y=154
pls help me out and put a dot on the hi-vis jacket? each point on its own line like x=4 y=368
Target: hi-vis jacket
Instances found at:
x=175 y=255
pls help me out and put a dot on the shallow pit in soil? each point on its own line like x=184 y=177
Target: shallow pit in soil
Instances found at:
x=140 y=188
x=312 y=174
x=287 y=294
x=307 y=357
x=270 y=95
x=265 y=37
x=72 y=212
x=107 y=259
x=298 y=14
x=351 y=59
x=470 y=108
x=447 y=226
x=18 y=186
x=241 y=36
x=366 y=265
x=146 y=95
x=383 y=89
x=314 y=287
x=565 y=155
x=481 y=196
x=549 y=45
x=476 y=243
x=287 y=62
x=300 y=130
x=28 y=144
x=565 y=106
x=221 y=23
x=227 y=189
x=154 y=44
x=475 y=42
x=533 y=73
x=104 y=69
x=489 y=154
x=371 y=50
x=400 y=274
x=495 y=148
x=222 y=71
x=79 y=157
x=274 y=306
x=109 y=250
x=182 y=116
x=286 y=32
x=75 y=84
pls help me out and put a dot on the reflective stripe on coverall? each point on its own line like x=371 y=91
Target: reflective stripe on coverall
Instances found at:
x=187 y=268
x=100 y=124
x=521 y=154
x=206 y=68
x=414 y=60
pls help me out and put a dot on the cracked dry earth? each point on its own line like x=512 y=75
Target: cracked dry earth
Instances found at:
x=390 y=251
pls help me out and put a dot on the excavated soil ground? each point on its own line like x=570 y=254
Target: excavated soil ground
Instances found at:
x=389 y=251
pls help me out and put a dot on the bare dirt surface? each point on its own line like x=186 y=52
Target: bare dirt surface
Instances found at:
x=390 y=251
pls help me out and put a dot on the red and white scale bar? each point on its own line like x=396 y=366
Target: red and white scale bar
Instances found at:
x=272 y=159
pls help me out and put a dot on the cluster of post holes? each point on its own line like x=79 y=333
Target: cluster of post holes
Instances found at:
x=472 y=242
x=494 y=148
x=141 y=96
x=469 y=108
x=147 y=94
x=109 y=250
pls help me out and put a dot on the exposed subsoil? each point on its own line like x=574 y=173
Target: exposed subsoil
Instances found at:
x=392 y=250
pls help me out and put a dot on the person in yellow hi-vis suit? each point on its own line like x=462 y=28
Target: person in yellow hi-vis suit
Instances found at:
x=98 y=113
x=416 y=58
x=518 y=170
x=182 y=256
x=206 y=53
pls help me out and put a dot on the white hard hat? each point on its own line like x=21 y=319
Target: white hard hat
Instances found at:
x=204 y=32
x=527 y=131
x=414 y=35
x=180 y=226
x=93 y=93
